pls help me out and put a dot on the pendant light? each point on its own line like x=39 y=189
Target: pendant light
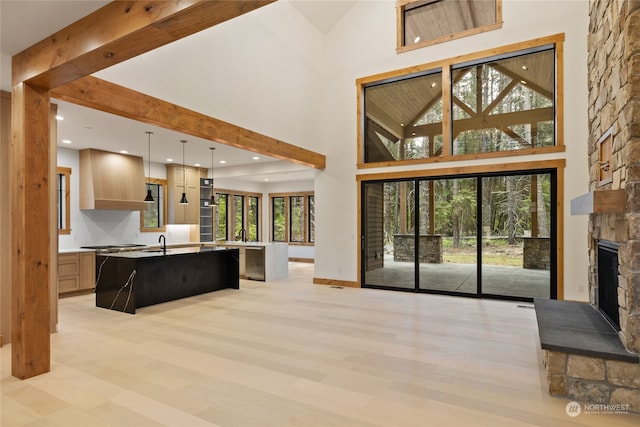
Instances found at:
x=183 y=199
x=212 y=202
x=149 y=198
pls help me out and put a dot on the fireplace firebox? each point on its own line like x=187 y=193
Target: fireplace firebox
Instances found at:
x=608 y=281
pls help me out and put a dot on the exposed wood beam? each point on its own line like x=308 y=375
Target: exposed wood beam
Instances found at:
x=501 y=96
x=542 y=91
x=106 y=96
x=117 y=32
x=497 y=121
x=30 y=225
x=463 y=106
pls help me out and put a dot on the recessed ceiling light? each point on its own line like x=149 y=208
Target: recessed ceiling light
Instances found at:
x=524 y=67
x=222 y=162
x=434 y=84
x=124 y=152
x=524 y=82
x=256 y=158
x=66 y=141
x=266 y=179
x=197 y=165
x=169 y=160
x=59 y=117
x=417 y=39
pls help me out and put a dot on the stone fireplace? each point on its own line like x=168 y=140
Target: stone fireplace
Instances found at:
x=614 y=152
x=605 y=370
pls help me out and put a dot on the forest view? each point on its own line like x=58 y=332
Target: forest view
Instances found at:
x=509 y=213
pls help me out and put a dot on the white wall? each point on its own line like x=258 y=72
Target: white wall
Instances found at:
x=363 y=44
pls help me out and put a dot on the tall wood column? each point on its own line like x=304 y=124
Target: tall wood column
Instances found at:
x=30 y=225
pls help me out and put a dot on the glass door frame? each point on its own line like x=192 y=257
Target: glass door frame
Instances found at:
x=553 y=238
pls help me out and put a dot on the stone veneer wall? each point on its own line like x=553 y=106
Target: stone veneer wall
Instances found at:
x=430 y=248
x=614 y=103
x=593 y=380
x=535 y=253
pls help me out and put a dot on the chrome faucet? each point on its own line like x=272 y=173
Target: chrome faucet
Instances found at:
x=243 y=235
x=163 y=243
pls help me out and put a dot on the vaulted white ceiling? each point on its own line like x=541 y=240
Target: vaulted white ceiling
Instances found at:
x=25 y=22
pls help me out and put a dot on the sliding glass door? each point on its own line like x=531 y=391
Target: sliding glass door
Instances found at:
x=447 y=252
x=516 y=235
x=485 y=235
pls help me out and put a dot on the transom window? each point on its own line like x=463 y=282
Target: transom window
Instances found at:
x=427 y=22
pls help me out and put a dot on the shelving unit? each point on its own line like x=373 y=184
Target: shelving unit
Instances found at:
x=206 y=211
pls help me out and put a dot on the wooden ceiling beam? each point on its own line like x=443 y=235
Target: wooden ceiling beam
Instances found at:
x=105 y=96
x=117 y=32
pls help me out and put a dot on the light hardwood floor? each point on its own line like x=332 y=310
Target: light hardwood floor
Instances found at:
x=290 y=353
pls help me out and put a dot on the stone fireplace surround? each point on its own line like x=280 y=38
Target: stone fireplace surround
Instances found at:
x=613 y=113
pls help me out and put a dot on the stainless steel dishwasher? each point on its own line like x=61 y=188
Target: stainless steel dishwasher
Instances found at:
x=254 y=262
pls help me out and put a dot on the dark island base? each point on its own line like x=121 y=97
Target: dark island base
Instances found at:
x=129 y=281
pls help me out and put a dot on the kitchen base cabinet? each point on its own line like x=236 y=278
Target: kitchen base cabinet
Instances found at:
x=76 y=272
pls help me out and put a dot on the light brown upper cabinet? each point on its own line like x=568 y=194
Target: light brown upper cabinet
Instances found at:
x=176 y=185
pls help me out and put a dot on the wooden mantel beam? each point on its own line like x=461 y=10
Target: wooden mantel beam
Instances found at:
x=111 y=98
x=117 y=32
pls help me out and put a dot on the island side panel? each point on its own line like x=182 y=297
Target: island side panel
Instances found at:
x=115 y=279
x=167 y=278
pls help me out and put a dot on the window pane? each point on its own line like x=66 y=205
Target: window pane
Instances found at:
x=278 y=209
x=221 y=221
x=252 y=232
x=503 y=105
x=61 y=202
x=430 y=20
x=153 y=215
x=403 y=118
x=312 y=219
x=238 y=220
x=296 y=218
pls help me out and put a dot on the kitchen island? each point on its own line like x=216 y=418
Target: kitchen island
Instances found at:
x=126 y=281
x=264 y=261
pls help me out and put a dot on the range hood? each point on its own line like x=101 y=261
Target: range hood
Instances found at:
x=111 y=181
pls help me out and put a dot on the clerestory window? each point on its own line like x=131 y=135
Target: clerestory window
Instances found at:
x=427 y=22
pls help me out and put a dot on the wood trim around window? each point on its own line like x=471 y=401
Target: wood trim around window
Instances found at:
x=401 y=47
x=67 y=199
x=445 y=66
x=558 y=164
x=163 y=183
